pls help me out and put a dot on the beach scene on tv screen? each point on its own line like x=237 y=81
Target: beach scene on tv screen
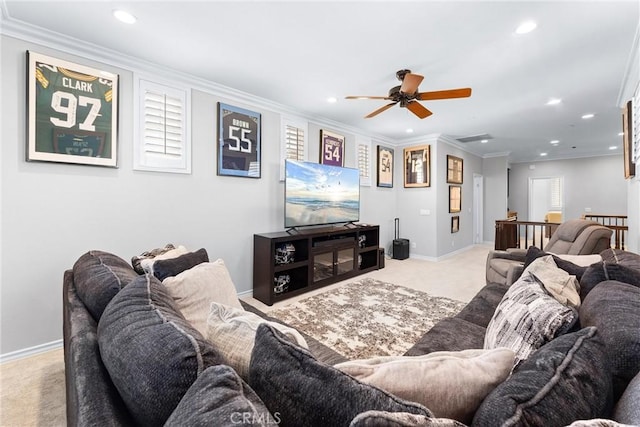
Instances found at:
x=320 y=194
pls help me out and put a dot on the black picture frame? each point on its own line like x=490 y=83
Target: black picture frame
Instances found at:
x=455 y=224
x=239 y=142
x=455 y=198
x=454 y=169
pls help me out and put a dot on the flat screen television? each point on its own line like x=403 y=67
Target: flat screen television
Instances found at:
x=316 y=194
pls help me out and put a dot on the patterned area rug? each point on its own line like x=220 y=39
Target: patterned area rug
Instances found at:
x=368 y=318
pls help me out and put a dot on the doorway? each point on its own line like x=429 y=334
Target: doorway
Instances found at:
x=545 y=194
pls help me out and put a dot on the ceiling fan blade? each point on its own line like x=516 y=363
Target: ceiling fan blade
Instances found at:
x=380 y=110
x=444 y=94
x=418 y=109
x=366 y=97
x=410 y=83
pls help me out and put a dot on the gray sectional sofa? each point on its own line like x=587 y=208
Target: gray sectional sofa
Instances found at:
x=131 y=358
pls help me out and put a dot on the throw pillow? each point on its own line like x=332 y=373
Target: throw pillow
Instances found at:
x=306 y=392
x=136 y=259
x=164 y=268
x=98 y=277
x=534 y=253
x=566 y=380
x=400 y=419
x=151 y=352
x=604 y=271
x=147 y=264
x=232 y=332
x=193 y=291
x=622 y=257
x=220 y=398
x=562 y=286
x=527 y=318
x=614 y=308
x=451 y=384
x=597 y=422
x=627 y=409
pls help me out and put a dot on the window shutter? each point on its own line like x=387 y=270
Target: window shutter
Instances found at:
x=293 y=144
x=363 y=154
x=556 y=193
x=162 y=142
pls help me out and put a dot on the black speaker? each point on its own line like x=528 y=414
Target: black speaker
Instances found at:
x=400 y=246
x=380 y=258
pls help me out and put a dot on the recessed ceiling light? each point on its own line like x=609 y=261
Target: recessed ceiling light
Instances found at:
x=554 y=141
x=588 y=116
x=409 y=130
x=332 y=100
x=543 y=154
x=613 y=147
x=484 y=141
x=125 y=17
x=554 y=101
x=526 y=27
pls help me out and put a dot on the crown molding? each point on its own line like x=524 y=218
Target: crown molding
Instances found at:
x=33 y=34
x=631 y=77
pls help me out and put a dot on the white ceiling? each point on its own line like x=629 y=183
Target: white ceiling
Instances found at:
x=299 y=53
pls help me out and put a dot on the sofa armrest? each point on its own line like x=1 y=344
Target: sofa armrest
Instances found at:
x=514 y=273
x=92 y=399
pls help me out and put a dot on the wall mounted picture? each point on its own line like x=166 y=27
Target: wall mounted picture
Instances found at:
x=331 y=148
x=455 y=198
x=238 y=142
x=385 y=166
x=417 y=166
x=72 y=112
x=455 y=224
x=454 y=170
x=627 y=140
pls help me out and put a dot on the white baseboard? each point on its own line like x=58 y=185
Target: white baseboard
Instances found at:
x=248 y=293
x=31 y=351
x=445 y=256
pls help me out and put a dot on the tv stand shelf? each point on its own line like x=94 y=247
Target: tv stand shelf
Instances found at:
x=289 y=263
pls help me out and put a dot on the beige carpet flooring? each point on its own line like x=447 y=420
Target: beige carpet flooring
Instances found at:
x=32 y=389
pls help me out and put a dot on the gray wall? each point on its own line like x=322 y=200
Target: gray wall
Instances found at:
x=494 y=170
x=595 y=182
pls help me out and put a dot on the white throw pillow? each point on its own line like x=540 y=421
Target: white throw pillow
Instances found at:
x=232 y=332
x=194 y=290
x=580 y=260
x=451 y=384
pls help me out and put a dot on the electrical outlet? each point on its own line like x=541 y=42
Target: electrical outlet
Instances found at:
x=413 y=245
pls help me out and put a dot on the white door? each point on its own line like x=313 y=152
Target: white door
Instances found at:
x=478 y=197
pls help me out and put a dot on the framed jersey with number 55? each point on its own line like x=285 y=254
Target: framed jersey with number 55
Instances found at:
x=238 y=142
x=72 y=112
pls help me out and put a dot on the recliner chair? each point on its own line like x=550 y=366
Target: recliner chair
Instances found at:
x=572 y=237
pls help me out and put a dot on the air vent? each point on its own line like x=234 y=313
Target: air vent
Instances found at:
x=474 y=138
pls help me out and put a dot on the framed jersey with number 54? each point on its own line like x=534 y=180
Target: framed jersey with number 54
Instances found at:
x=331 y=148
x=72 y=112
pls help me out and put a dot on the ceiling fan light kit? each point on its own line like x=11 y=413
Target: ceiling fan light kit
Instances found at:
x=407 y=95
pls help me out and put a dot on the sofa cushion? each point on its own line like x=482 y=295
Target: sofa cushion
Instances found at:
x=604 y=271
x=232 y=332
x=220 y=398
x=98 y=277
x=622 y=257
x=449 y=334
x=400 y=419
x=557 y=282
x=527 y=318
x=614 y=308
x=196 y=288
x=568 y=379
x=451 y=384
x=481 y=307
x=147 y=263
x=164 y=268
x=627 y=409
x=151 y=352
x=306 y=392
x=563 y=262
x=152 y=253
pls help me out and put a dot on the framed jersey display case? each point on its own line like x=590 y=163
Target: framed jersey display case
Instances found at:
x=238 y=142
x=72 y=112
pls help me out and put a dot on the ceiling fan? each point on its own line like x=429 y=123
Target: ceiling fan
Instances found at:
x=407 y=95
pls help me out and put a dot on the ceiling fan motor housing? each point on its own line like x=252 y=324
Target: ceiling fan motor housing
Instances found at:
x=401 y=73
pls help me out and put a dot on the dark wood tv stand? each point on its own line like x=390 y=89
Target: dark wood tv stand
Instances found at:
x=322 y=256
